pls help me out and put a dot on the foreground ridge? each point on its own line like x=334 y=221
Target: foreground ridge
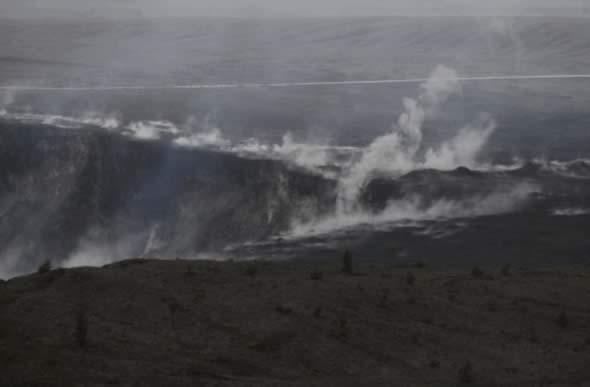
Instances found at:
x=177 y=323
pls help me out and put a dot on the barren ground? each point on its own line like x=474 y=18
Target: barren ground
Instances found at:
x=189 y=323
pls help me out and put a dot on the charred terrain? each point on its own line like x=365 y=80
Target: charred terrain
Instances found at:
x=186 y=323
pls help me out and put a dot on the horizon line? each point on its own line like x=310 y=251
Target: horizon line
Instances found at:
x=247 y=85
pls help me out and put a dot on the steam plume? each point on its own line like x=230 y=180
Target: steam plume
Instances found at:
x=396 y=152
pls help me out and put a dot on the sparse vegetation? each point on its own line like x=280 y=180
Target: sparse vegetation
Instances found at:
x=274 y=342
x=428 y=320
x=283 y=309
x=342 y=327
x=563 y=320
x=466 y=373
x=384 y=300
x=410 y=279
x=274 y=323
x=172 y=304
x=54 y=275
x=317 y=276
x=317 y=312
x=251 y=271
x=45 y=267
x=478 y=273
x=506 y=270
x=82 y=325
x=347 y=262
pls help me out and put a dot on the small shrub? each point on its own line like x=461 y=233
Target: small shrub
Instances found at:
x=410 y=279
x=384 y=300
x=172 y=304
x=533 y=335
x=274 y=341
x=283 y=309
x=342 y=327
x=342 y=322
x=317 y=313
x=435 y=364
x=54 y=275
x=45 y=267
x=562 y=320
x=512 y=370
x=347 y=262
x=506 y=271
x=82 y=325
x=317 y=276
x=466 y=373
x=428 y=320
x=476 y=272
x=252 y=271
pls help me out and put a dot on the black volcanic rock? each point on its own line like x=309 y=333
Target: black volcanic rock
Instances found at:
x=64 y=191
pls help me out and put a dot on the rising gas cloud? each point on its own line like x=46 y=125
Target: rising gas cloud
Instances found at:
x=401 y=151
x=397 y=152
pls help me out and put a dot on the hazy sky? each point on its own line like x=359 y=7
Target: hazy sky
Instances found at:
x=286 y=8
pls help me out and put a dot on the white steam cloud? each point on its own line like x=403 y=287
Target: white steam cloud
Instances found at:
x=401 y=151
x=97 y=249
x=463 y=149
x=150 y=130
x=312 y=157
x=396 y=153
x=415 y=209
x=6 y=99
x=108 y=122
x=211 y=138
x=9 y=260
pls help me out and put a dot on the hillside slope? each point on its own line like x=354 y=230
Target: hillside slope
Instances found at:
x=183 y=323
